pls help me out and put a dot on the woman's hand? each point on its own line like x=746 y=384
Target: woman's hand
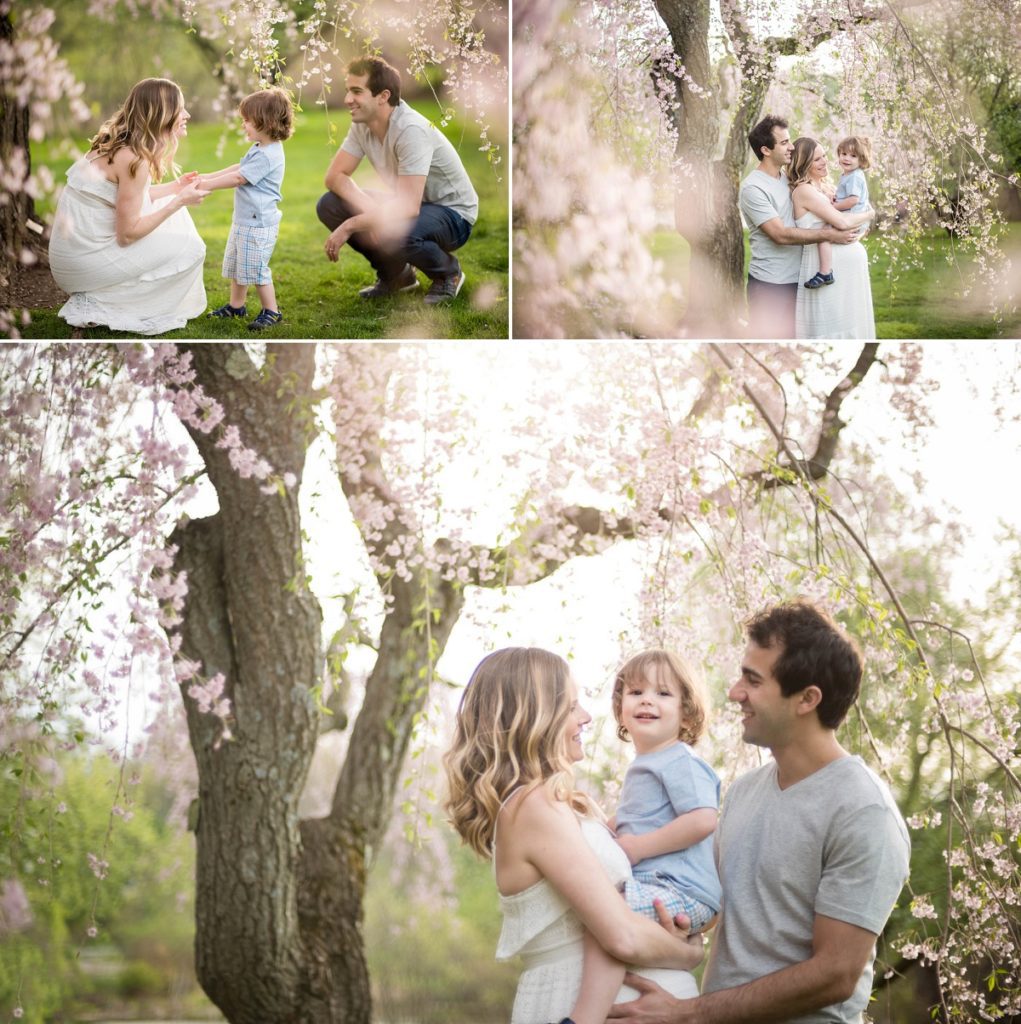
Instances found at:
x=191 y=194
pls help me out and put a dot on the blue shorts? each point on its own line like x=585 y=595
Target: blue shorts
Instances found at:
x=645 y=887
x=246 y=258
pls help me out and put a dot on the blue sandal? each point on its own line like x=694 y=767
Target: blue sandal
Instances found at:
x=228 y=310
x=819 y=280
x=266 y=318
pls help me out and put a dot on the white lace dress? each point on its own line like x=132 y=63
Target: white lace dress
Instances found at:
x=839 y=310
x=148 y=287
x=540 y=926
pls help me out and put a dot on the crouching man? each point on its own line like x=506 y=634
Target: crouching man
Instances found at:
x=430 y=206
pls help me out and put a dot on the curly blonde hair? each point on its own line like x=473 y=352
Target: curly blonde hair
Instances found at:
x=694 y=700
x=145 y=125
x=509 y=732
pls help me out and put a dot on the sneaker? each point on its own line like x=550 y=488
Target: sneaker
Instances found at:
x=819 y=280
x=444 y=288
x=405 y=281
x=229 y=310
x=266 y=318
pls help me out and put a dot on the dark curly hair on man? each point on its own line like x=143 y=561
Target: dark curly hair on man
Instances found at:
x=381 y=76
x=762 y=134
x=814 y=651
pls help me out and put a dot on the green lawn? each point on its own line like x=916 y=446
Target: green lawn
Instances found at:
x=917 y=302
x=320 y=299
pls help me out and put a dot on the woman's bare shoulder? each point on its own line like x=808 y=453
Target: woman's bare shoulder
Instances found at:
x=120 y=165
x=538 y=808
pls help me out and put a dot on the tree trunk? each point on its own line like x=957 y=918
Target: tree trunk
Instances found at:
x=715 y=292
x=17 y=207
x=279 y=904
x=705 y=204
x=250 y=616
x=706 y=210
x=339 y=849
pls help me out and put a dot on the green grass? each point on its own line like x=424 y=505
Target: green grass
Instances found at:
x=320 y=299
x=917 y=302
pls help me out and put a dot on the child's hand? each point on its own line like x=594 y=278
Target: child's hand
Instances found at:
x=185 y=180
x=629 y=845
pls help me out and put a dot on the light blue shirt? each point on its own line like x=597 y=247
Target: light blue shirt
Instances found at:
x=255 y=204
x=658 y=788
x=854 y=184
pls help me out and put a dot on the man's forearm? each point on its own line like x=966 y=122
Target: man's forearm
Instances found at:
x=803 y=236
x=359 y=222
x=773 y=998
x=344 y=186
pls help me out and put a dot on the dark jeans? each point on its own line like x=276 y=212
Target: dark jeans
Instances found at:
x=436 y=232
x=771 y=308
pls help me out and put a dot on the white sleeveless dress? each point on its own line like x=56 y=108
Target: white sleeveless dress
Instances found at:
x=540 y=926
x=839 y=310
x=148 y=287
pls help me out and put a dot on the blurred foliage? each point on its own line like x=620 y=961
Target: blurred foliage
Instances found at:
x=433 y=962
x=142 y=909
x=158 y=48
x=165 y=48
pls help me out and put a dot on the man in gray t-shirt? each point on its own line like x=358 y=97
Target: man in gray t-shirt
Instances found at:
x=430 y=206
x=811 y=849
x=765 y=201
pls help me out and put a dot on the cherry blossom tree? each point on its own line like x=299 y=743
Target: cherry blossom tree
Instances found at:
x=726 y=470
x=665 y=95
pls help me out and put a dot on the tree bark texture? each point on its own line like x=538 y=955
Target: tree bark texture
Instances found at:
x=280 y=903
x=250 y=616
x=17 y=207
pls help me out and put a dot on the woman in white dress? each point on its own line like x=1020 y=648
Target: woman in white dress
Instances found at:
x=126 y=249
x=557 y=866
x=842 y=309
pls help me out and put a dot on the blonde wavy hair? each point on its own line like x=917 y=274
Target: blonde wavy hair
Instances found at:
x=509 y=732
x=145 y=125
x=659 y=662
x=801 y=161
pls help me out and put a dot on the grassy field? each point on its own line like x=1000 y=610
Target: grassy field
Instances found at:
x=920 y=302
x=320 y=299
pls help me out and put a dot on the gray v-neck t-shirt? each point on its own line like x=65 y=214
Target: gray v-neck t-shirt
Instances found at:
x=832 y=844
x=762 y=198
x=414 y=146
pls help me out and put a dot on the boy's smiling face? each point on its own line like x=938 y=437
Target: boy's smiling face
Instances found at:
x=848 y=161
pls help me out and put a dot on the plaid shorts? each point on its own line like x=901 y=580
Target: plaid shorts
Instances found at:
x=645 y=887
x=246 y=258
